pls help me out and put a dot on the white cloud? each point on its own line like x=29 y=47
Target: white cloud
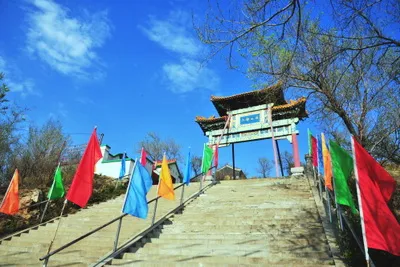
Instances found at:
x=188 y=75
x=66 y=43
x=173 y=34
x=13 y=80
x=176 y=35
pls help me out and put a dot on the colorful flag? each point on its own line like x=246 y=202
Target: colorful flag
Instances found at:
x=122 y=171
x=320 y=157
x=309 y=142
x=342 y=165
x=314 y=153
x=327 y=164
x=10 y=203
x=216 y=156
x=165 y=186
x=187 y=174
x=375 y=188
x=82 y=184
x=140 y=183
x=57 y=188
x=207 y=159
x=143 y=157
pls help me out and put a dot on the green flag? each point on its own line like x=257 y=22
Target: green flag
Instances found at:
x=342 y=164
x=57 y=188
x=207 y=159
x=309 y=142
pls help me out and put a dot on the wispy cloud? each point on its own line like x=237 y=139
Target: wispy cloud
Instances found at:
x=14 y=81
x=66 y=43
x=188 y=75
x=176 y=35
x=173 y=34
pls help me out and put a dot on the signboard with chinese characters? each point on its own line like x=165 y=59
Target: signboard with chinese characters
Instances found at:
x=252 y=124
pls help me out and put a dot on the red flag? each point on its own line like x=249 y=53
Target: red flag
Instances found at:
x=216 y=156
x=10 y=204
x=314 y=151
x=376 y=187
x=82 y=184
x=143 y=157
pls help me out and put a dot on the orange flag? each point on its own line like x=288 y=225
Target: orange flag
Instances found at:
x=327 y=163
x=10 y=204
x=165 y=186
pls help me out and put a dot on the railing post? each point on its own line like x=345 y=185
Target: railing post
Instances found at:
x=182 y=193
x=155 y=211
x=117 y=234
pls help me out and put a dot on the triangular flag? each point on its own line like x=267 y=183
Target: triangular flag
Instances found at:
x=187 y=174
x=342 y=166
x=10 y=203
x=327 y=163
x=165 y=186
x=57 y=188
x=309 y=141
x=122 y=171
x=82 y=184
x=320 y=156
x=314 y=153
x=140 y=183
x=207 y=159
x=143 y=157
x=376 y=186
x=216 y=156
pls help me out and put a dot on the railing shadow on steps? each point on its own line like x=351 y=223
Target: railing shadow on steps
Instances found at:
x=341 y=218
x=153 y=225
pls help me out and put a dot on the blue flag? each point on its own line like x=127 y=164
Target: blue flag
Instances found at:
x=122 y=171
x=135 y=199
x=186 y=177
x=320 y=158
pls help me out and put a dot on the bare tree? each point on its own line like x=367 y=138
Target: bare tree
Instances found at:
x=196 y=164
x=264 y=167
x=155 y=147
x=349 y=73
x=41 y=154
x=287 y=162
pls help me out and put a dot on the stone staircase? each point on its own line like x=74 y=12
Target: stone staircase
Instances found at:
x=26 y=249
x=263 y=222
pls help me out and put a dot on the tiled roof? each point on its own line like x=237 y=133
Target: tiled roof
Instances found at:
x=270 y=94
x=295 y=108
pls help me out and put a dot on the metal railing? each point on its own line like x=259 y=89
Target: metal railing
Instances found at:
x=152 y=226
x=342 y=218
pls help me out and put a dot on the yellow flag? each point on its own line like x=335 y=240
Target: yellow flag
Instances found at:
x=165 y=187
x=327 y=163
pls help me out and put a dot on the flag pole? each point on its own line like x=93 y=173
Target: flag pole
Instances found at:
x=158 y=187
x=360 y=203
x=273 y=140
x=58 y=166
x=55 y=233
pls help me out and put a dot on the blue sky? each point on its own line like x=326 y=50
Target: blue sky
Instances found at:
x=129 y=67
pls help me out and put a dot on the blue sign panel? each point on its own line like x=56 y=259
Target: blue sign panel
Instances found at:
x=250 y=119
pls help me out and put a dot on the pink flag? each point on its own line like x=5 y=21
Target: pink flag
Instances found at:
x=143 y=157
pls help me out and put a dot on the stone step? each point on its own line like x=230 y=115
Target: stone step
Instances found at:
x=267 y=247
x=283 y=242
x=236 y=223
x=236 y=236
x=192 y=263
x=242 y=229
x=281 y=259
